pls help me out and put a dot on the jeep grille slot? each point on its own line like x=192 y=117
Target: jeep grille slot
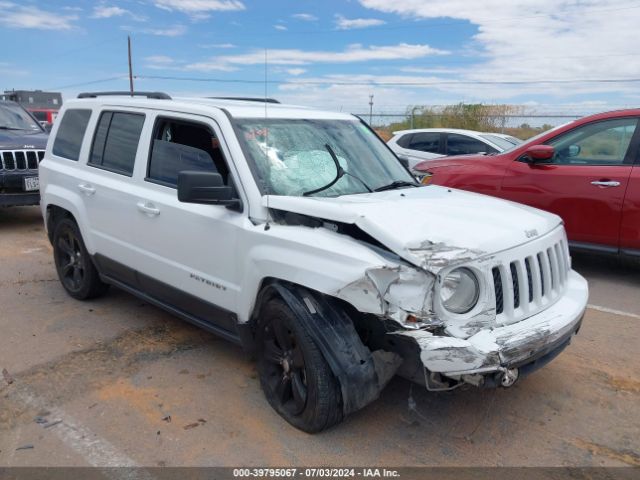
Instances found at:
x=497 y=284
x=524 y=286
x=20 y=159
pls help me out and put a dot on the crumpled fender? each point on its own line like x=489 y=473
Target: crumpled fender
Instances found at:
x=362 y=374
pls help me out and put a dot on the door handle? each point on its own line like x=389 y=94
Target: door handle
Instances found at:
x=87 y=189
x=148 y=208
x=605 y=183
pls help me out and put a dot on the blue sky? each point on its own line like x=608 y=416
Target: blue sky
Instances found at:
x=554 y=55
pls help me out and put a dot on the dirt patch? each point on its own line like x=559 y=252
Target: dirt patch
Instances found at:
x=99 y=366
x=622 y=455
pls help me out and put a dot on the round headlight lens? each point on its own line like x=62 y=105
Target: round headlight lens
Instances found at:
x=460 y=290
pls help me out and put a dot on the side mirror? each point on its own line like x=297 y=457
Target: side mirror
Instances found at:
x=205 y=188
x=539 y=153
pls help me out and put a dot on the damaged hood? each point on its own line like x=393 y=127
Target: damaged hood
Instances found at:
x=431 y=227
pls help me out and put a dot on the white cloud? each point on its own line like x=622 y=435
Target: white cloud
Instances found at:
x=173 y=31
x=199 y=8
x=306 y=17
x=217 y=45
x=295 y=71
x=8 y=69
x=13 y=15
x=539 y=40
x=160 y=62
x=280 y=27
x=353 y=53
x=105 y=11
x=343 y=23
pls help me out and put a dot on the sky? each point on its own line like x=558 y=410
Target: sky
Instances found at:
x=563 y=56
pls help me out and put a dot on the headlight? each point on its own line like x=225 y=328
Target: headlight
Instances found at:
x=459 y=291
x=426 y=179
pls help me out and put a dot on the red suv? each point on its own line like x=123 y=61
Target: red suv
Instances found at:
x=587 y=171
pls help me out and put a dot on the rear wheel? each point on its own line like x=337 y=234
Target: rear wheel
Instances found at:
x=76 y=271
x=294 y=375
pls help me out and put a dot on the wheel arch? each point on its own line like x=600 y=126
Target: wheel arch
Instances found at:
x=59 y=202
x=361 y=373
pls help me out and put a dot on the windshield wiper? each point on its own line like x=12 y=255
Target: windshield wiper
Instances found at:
x=396 y=184
x=339 y=174
x=4 y=127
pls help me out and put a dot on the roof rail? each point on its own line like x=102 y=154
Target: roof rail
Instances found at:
x=248 y=99
x=154 y=95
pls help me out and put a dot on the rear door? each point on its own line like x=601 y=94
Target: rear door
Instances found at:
x=106 y=186
x=584 y=183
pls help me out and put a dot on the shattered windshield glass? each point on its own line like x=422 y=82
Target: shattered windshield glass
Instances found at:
x=293 y=157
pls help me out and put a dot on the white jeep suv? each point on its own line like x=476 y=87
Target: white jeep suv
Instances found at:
x=298 y=234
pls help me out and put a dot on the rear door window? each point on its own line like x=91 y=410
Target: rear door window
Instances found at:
x=425 y=142
x=116 y=141
x=73 y=126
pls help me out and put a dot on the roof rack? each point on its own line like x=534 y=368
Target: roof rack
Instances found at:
x=154 y=95
x=248 y=99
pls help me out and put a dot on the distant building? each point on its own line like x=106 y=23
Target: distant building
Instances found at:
x=35 y=99
x=43 y=105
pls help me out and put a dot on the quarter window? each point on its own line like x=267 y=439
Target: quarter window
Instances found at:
x=180 y=145
x=70 y=134
x=116 y=141
x=600 y=143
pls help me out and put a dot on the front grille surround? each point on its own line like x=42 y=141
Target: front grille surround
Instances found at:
x=526 y=281
x=18 y=160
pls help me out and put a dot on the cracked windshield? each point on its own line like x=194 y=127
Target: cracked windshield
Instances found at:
x=294 y=157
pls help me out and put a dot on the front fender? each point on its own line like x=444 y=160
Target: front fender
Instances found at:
x=362 y=374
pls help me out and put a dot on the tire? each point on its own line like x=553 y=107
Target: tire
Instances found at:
x=294 y=375
x=76 y=270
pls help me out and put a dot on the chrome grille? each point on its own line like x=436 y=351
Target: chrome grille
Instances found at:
x=524 y=286
x=20 y=159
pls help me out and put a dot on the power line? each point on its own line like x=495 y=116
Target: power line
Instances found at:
x=91 y=82
x=390 y=84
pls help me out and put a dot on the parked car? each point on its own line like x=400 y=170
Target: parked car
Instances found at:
x=585 y=171
x=22 y=145
x=297 y=234
x=415 y=146
x=46 y=116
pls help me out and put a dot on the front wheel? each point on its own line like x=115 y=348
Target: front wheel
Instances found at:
x=294 y=375
x=76 y=271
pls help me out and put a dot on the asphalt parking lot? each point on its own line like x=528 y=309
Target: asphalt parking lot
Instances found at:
x=118 y=382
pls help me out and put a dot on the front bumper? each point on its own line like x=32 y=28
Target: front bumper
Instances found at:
x=12 y=193
x=539 y=337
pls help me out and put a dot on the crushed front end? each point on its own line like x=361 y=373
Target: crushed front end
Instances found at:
x=522 y=307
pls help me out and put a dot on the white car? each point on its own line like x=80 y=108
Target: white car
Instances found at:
x=297 y=234
x=418 y=145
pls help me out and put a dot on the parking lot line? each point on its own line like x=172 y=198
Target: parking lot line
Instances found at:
x=613 y=311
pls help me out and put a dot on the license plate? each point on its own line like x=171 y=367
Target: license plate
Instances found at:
x=31 y=183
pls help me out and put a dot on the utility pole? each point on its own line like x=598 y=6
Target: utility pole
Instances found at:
x=130 y=67
x=370 y=108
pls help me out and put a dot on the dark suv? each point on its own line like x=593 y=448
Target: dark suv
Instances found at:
x=22 y=144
